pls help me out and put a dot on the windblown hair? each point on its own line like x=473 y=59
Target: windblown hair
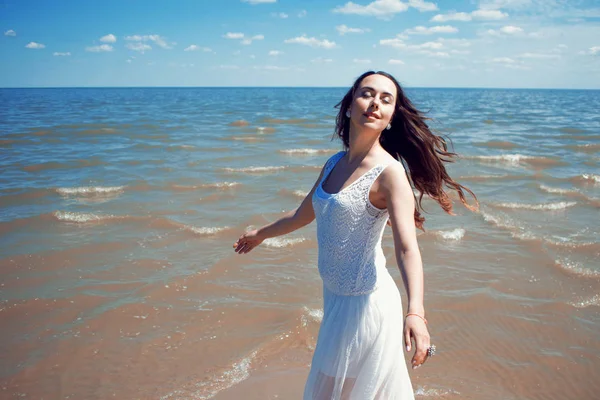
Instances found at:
x=411 y=141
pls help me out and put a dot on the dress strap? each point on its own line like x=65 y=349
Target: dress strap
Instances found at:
x=333 y=160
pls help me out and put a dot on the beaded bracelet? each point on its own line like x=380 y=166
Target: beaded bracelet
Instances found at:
x=423 y=318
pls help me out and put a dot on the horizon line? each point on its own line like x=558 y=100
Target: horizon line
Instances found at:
x=288 y=87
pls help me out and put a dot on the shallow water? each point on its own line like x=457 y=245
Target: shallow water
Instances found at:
x=119 y=208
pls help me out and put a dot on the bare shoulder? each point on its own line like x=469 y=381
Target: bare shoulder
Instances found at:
x=394 y=180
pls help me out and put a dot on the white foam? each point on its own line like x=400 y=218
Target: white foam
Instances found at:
x=583 y=303
x=554 y=190
x=455 y=234
x=279 y=242
x=576 y=268
x=591 y=177
x=300 y=193
x=206 y=231
x=515 y=230
x=209 y=388
x=90 y=190
x=514 y=159
x=314 y=314
x=544 y=206
x=307 y=151
x=255 y=169
x=421 y=391
x=80 y=217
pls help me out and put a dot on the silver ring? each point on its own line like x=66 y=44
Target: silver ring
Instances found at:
x=431 y=350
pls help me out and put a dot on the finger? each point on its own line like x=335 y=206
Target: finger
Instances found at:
x=407 y=339
x=240 y=248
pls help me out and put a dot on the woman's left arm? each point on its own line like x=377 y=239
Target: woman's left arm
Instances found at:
x=400 y=204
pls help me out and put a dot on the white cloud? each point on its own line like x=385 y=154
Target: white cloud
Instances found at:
x=313 y=42
x=321 y=60
x=137 y=46
x=229 y=67
x=429 y=53
x=302 y=14
x=452 y=16
x=511 y=30
x=422 y=30
x=271 y=67
x=157 y=39
x=488 y=15
x=396 y=62
x=361 y=61
x=253 y=2
x=396 y=42
x=343 y=29
x=592 y=51
x=483 y=15
x=423 y=5
x=275 y=53
x=34 y=45
x=504 y=31
x=59 y=54
x=110 y=38
x=244 y=40
x=194 y=47
x=503 y=60
x=128 y=61
x=10 y=32
x=99 y=49
x=539 y=55
x=233 y=35
x=384 y=9
x=455 y=42
x=281 y=15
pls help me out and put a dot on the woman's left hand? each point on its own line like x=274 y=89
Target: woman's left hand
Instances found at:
x=415 y=330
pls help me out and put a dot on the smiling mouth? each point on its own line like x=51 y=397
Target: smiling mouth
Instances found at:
x=371 y=115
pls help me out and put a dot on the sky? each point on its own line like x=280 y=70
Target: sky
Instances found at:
x=448 y=43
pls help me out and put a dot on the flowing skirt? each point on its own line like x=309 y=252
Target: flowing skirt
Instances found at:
x=359 y=353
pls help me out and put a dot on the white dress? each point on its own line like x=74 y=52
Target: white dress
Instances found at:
x=359 y=353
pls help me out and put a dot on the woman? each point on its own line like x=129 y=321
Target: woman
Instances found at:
x=359 y=348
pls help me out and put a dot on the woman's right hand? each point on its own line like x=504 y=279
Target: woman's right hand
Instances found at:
x=247 y=242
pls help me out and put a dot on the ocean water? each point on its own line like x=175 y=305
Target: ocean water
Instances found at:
x=119 y=207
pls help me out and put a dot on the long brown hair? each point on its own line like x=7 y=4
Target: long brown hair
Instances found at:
x=411 y=141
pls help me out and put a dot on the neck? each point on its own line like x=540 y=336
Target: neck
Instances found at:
x=361 y=142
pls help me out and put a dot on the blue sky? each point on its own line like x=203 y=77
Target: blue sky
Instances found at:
x=448 y=43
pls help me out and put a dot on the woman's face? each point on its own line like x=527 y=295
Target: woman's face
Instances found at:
x=374 y=102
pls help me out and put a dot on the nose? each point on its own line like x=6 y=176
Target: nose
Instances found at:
x=375 y=102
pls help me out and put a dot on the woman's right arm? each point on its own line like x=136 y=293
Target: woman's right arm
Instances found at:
x=289 y=222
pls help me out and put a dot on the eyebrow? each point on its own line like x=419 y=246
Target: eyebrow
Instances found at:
x=370 y=88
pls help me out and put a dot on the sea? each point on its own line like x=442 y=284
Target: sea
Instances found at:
x=119 y=208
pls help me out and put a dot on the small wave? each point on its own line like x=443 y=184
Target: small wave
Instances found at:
x=307 y=151
x=576 y=268
x=294 y=193
x=587 y=179
x=455 y=234
x=316 y=314
x=254 y=170
x=518 y=159
x=436 y=393
x=279 y=243
x=555 y=190
x=516 y=231
x=265 y=130
x=585 y=148
x=244 y=138
x=209 y=388
x=584 y=303
x=571 y=130
x=206 y=231
x=78 y=217
x=90 y=190
x=216 y=185
x=544 y=206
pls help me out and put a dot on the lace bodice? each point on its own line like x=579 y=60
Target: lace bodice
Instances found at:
x=349 y=232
